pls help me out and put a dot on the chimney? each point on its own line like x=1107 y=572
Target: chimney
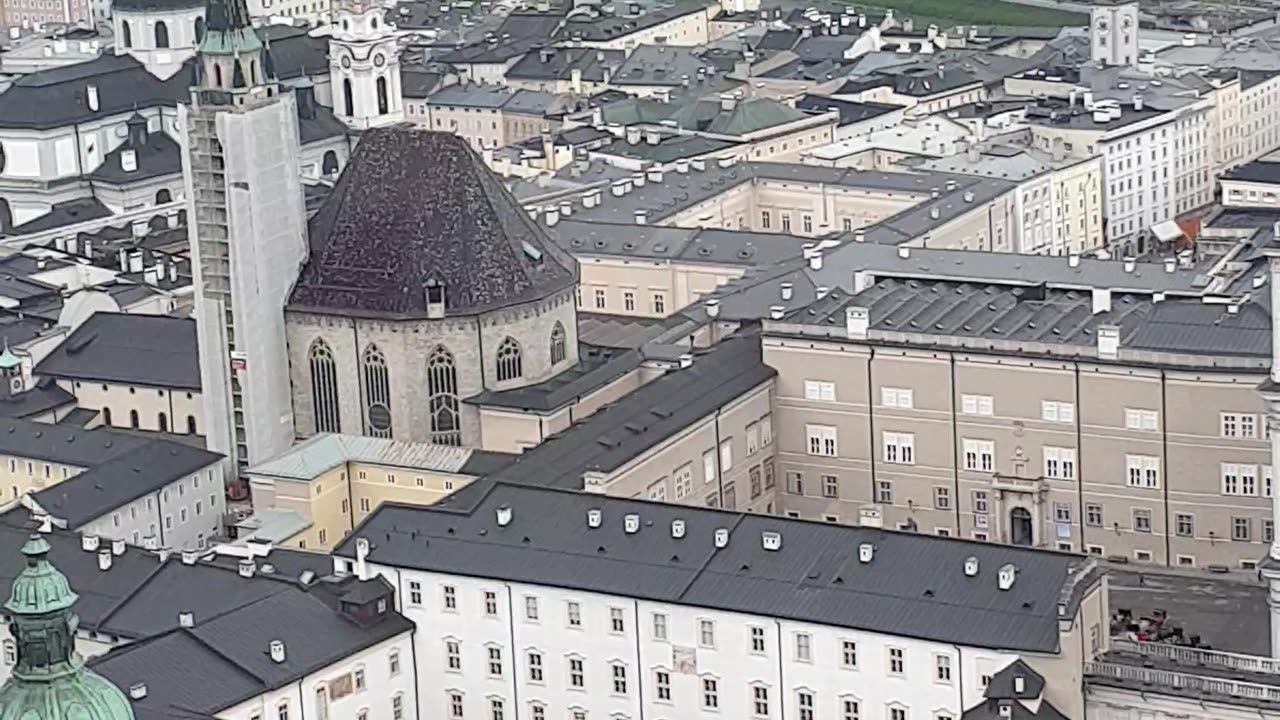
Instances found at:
x=104 y=559
x=682 y=166
x=631 y=523
x=137 y=691
x=862 y=279
x=1137 y=102
x=776 y=312
x=951 y=185
x=247 y=568
x=641 y=217
x=1101 y=300
x=727 y=102
x=277 y=651
x=1008 y=573
x=1073 y=260
x=117 y=547
x=857 y=321
x=722 y=537
x=594 y=518
x=677 y=528
x=686 y=360
x=91 y=96
x=699 y=164
x=189 y=557
x=935 y=212
x=787 y=290
x=552 y=216
x=815 y=259
x=1130 y=264
x=89 y=543
x=971 y=566
x=186 y=619
x=633 y=135
x=504 y=516
x=860 y=235
x=771 y=541
x=713 y=308
x=866 y=552
x=655 y=174
x=904 y=252
x=1171 y=265
x=362 y=558
x=1108 y=342
x=129 y=160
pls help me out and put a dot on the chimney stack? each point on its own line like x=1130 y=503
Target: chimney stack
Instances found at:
x=857 y=322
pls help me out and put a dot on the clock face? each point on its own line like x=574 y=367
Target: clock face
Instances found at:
x=1102 y=25
x=379 y=60
x=346 y=62
x=1126 y=23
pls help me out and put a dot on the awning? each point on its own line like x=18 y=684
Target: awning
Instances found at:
x=1167 y=231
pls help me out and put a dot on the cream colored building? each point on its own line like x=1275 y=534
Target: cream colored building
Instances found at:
x=332 y=482
x=685 y=25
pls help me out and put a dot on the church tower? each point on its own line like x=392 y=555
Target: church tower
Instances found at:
x=364 y=66
x=1113 y=32
x=247 y=235
x=50 y=681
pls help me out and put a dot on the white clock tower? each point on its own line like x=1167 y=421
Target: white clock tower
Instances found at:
x=1113 y=32
x=364 y=66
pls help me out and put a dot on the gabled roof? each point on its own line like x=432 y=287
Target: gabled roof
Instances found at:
x=160 y=156
x=322 y=452
x=377 y=242
x=129 y=348
x=59 y=96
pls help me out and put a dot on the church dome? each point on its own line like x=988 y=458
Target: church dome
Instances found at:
x=50 y=681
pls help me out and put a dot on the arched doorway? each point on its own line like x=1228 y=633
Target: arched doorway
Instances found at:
x=1021 y=528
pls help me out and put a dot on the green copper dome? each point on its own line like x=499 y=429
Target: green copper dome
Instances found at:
x=50 y=681
x=8 y=360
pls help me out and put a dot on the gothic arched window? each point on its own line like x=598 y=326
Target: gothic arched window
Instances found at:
x=509 y=365
x=324 y=387
x=382 y=96
x=377 y=393
x=162 y=34
x=329 y=163
x=557 y=344
x=348 y=101
x=199 y=29
x=442 y=393
x=126 y=34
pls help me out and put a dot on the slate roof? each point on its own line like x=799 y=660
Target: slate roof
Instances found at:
x=608 y=27
x=199 y=671
x=914 y=586
x=375 y=243
x=63 y=213
x=635 y=423
x=44 y=397
x=850 y=111
x=559 y=64
x=58 y=97
x=1257 y=171
x=315 y=455
x=160 y=156
x=596 y=368
x=131 y=349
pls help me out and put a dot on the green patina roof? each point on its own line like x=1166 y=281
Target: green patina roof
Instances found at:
x=228 y=28
x=8 y=360
x=39 y=589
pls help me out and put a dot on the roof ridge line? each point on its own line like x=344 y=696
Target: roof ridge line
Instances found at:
x=708 y=559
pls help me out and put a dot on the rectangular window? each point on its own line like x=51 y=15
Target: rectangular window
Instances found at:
x=766 y=431
x=450 y=597
x=979 y=455
x=1062 y=512
x=1185 y=524
x=1142 y=471
x=897 y=661
x=753 y=438
x=662 y=684
x=897 y=713
x=1141 y=520
x=896 y=397
x=726 y=455
x=1145 y=420
x=1060 y=463
x=535 y=667
x=495 y=662
x=786 y=222
x=617 y=623
x=1241 y=529
x=709 y=466
x=1093 y=515
x=415 y=592
x=455 y=705
x=530 y=608
x=980 y=502
x=804 y=701
x=573 y=612
x=942 y=498
x=659 y=626
x=760 y=701
x=942 y=668
x=619 y=680
x=495 y=708
x=884 y=492
x=849 y=654
x=684 y=481
x=804 y=647
x=899 y=448
x=820 y=390
x=830 y=486
x=576 y=673
x=490 y=603
x=822 y=440
x=659 y=304
x=1059 y=412
x=707 y=633
x=600 y=298
x=850 y=710
x=629 y=300
x=1237 y=425
x=710 y=693
x=757 y=639
x=1239 y=479
x=766 y=220
x=977 y=405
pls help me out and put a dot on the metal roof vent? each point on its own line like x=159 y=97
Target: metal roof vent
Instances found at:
x=722 y=537
x=277 y=651
x=677 y=528
x=866 y=551
x=137 y=691
x=971 y=566
x=104 y=559
x=117 y=547
x=247 y=568
x=594 y=518
x=771 y=540
x=89 y=543
x=1008 y=573
x=631 y=523
x=186 y=619
x=504 y=516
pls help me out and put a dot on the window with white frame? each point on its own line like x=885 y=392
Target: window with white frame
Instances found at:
x=619 y=675
x=659 y=626
x=757 y=639
x=766 y=430
x=573 y=613
x=658 y=490
x=822 y=440
x=896 y=397
x=897 y=661
x=577 y=673
x=804 y=703
x=981 y=503
x=662 y=685
x=1266 y=480
x=495 y=661
x=684 y=481
x=1141 y=520
x=10 y=653
x=707 y=633
x=1059 y=412
x=820 y=390
x=535 y=666
x=1142 y=471
x=753 y=438
x=830 y=486
x=450 y=594
x=759 y=701
x=617 y=620
x=455 y=705
x=804 y=647
x=900 y=448
x=848 y=654
x=1239 y=425
x=977 y=405
x=393 y=662
x=710 y=693
x=942 y=668
x=726 y=454
x=1060 y=463
x=1062 y=512
x=979 y=455
x=850 y=709
x=453 y=655
x=1145 y=420
x=1239 y=479
x=942 y=497
x=897 y=712
x=708 y=466
x=884 y=492
x=496 y=709
x=537 y=711
x=415 y=592
x=530 y=608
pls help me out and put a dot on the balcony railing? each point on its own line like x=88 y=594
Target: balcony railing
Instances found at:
x=1017 y=484
x=1183 y=681
x=1191 y=657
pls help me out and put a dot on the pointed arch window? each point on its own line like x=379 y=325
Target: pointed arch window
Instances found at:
x=324 y=387
x=162 y=34
x=558 y=353
x=382 y=96
x=126 y=34
x=199 y=29
x=348 y=100
x=377 y=393
x=442 y=393
x=510 y=365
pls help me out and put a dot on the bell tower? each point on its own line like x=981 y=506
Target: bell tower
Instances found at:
x=11 y=372
x=364 y=66
x=1113 y=32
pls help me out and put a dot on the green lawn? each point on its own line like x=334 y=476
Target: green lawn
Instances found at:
x=980 y=12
